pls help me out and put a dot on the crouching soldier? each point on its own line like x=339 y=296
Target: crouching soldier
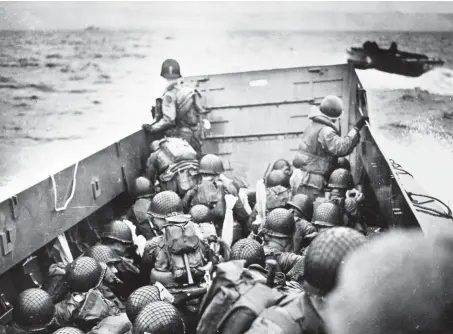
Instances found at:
x=142 y=191
x=347 y=199
x=201 y=215
x=277 y=233
x=118 y=236
x=90 y=300
x=173 y=162
x=211 y=192
x=302 y=208
x=33 y=312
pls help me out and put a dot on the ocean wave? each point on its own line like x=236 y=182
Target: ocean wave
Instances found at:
x=52 y=65
x=50 y=139
x=438 y=81
x=54 y=56
x=80 y=91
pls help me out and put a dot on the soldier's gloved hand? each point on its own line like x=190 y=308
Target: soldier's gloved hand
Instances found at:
x=230 y=201
x=361 y=122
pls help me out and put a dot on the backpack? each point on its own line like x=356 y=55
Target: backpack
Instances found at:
x=213 y=196
x=285 y=318
x=277 y=197
x=181 y=238
x=177 y=149
x=234 y=300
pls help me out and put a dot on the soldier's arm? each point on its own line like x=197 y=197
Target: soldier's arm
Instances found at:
x=240 y=214
x=288 y=260
x=187 y=200
x=149 y=256
x=169 y=115
x=336 y=145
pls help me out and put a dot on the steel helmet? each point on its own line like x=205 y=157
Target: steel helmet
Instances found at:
x=200 y=214
x=165 y=204
x=343 y=163
x=249 y=250
x=159 y=317
x=302 y=203
x=84 y=274
x=34 y=309
x=102 y=253
x=281 y=164
x=327 y=215
x=279 y=223
x=170 y=69
x=69 y=330
x=325 y=255
x=340 y=179
x=331 y=106
x=141 y=187
x=118 y=231
x=139 y=299
x=275 y=178
x=211 y=164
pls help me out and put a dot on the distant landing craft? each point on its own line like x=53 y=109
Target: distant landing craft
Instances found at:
x=391 y=60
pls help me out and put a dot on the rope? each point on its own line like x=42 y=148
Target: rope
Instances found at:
x=74 y=183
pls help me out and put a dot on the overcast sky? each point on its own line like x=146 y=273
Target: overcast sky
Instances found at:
x=133 y=15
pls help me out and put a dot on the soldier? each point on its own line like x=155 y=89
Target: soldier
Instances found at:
x=277 y=232
x=173 y=163
x=142 y=191
x=322 y=264
x=118 y=236
x=285 y=167
x=320 y=147
x=302 y=208
x=349 y=200
x=34 y=312
x=159 y=317
x=327 y=215
x=211 y=192
x=90 y=300
x=398 y=283
x=201 y=215
x=249 y=250
x=139 y=299
x=181 y=108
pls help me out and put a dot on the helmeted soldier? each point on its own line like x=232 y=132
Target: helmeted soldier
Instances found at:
x=398 y=283
x=139 y=299
x=165 y=257
x=117 y=235
x=327 y=215
x=320 y=147
x=159 y=317
x=90 y=300
x=277 y=195
x=285 y=167
x=173 y=163
x=322 y=263
x=277 y=232
x=201 y=215
x=211 y=192
x=34 y=312
x=340 y=192
x=302 y=208
x=142 y=191
x=249 y=250
x=343 y=163
x=181 y=108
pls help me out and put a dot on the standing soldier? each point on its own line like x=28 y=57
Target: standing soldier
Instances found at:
x=181 y=108
x=321 y=146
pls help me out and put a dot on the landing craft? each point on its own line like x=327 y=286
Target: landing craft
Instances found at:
x=256 y=117
x=391 y=60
